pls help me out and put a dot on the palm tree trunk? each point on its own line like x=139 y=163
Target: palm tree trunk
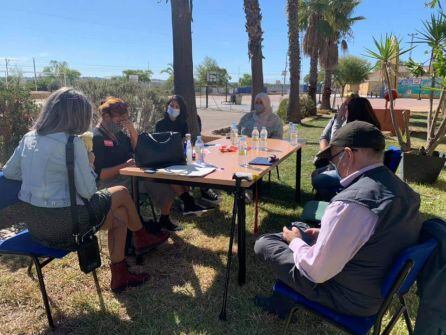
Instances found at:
x=293 y=113
x=182 y=60
x=430 y=126
x=326 y=92
x=312 y=85
x=255 y=36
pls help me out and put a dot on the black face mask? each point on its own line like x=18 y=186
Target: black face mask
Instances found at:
x=112 y=127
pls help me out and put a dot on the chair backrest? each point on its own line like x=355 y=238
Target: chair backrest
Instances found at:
x=9 y=190
x=392 y=158
x=418 y=256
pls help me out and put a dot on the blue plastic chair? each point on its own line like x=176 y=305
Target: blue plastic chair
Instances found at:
x=400 y=278
x=392 y=158
x=22 y=244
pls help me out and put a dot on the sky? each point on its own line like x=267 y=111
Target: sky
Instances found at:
x=103 y=37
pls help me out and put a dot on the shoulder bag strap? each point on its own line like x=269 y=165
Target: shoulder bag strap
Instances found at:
x=73 y=203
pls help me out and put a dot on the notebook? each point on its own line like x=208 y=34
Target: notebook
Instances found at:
x=261 y=161
x=191 y=170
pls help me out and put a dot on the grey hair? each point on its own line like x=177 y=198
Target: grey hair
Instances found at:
x=66 y=110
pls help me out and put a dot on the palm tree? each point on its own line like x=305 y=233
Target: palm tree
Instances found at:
x=434 y=35
x=255 y=35
x=338 y=17
x=182 y=59
x=293 y=113
x=311 y=21
x=387 y=51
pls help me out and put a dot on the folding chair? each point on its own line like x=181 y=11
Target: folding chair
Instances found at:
x=22 y=244
x=399 y=280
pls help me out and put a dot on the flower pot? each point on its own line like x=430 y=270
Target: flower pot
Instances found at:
x=422 y=169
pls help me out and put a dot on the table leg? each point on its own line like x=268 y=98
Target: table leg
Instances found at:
x=135 y=194
x=297 y=197
x=241 y=238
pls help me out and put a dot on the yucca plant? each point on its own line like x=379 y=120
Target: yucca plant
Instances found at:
x=387 y=52
x=433 y=35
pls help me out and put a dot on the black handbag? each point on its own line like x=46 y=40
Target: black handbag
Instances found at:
x=159 y=150
x=86 y=244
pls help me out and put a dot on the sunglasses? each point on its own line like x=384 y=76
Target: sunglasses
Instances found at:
x=330 y=159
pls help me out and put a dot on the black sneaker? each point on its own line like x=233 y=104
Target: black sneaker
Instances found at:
x=210 y=196
x=167 y=224
x=274 y=305
x=194 y=209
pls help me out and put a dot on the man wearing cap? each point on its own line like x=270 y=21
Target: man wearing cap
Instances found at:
x=343 y=264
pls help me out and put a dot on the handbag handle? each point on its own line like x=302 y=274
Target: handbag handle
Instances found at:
x=167 y=140
x=69 y=158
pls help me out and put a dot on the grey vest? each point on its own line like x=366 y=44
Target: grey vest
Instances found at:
x=357 y=288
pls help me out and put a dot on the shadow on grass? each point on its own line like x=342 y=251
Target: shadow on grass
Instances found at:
x=282 y=195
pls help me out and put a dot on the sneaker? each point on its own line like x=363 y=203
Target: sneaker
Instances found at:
x=167 y=224
x=194 y=209
x=274 y=305
x=210 y=196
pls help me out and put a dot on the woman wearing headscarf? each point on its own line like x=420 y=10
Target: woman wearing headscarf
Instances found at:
x=262 y=116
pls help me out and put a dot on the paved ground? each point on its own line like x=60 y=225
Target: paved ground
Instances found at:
x=220 y=114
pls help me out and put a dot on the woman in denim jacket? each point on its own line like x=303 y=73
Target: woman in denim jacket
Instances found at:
x=39 y=162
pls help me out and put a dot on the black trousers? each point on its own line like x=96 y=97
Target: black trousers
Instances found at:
x=271 y=249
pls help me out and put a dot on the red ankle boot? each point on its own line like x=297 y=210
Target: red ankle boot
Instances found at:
x=122 y=278
x=145 y=241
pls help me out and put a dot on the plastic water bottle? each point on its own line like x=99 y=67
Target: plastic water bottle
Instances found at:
x=199 y=149
x=243 y=152
x=188 y=149
x=255 y=138
x=290 y=129
x=234 y=134
x=293 y=135
x=263 y=139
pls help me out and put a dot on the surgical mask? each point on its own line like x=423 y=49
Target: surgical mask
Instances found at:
x=259 y=108
x=339 y=161
x=173 y=112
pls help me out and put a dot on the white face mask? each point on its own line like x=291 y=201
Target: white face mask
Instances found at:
x=173 y=112
x=339 y=161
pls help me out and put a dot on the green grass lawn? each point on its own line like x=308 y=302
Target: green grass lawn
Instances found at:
x=184 y=293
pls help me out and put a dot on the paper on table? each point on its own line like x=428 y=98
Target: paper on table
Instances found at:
x=191 y=170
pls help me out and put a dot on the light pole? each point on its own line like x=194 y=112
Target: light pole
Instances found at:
x=412 y=35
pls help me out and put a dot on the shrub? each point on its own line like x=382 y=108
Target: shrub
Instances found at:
x=146 y=106
x=17 y=112
x=306 y=105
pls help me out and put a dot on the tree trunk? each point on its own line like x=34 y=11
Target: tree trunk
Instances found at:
x=312 y=85
x=326 y=92
x=293 y=113
x=255 y=38
x=401 y=142
x=431 y=100
x=182 y=60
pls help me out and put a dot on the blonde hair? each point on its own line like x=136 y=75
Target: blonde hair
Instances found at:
x=66 y=110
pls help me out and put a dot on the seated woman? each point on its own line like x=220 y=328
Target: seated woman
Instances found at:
x=114 y=141
x=39 y=162
x=262 y=116
x=175 y=119
x=325 y=178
